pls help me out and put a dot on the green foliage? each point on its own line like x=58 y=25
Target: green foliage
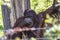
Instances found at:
x=1 y=20
x=40 y=5
x=1 y=27
x=1 y=2
x=53 y=32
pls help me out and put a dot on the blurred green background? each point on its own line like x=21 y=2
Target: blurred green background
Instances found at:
x=1 y=19
x=39 y=6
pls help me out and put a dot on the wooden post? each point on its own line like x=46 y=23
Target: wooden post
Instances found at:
x=17 y=9
x=6 y=17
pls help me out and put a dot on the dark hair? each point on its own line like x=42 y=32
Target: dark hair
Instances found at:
x=29 y=12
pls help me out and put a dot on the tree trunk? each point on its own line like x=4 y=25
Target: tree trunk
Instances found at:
x=17 y=9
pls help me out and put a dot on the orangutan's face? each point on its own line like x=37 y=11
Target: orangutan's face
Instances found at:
x=29 y=21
